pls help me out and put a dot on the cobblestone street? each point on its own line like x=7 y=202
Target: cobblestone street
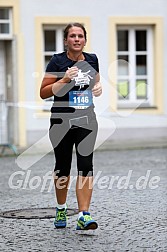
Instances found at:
x=129 y=203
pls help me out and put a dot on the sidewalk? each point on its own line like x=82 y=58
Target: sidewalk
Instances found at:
x=110 y=144
x=129 y=202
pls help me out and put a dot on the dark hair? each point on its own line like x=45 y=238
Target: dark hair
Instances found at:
x=66 y=30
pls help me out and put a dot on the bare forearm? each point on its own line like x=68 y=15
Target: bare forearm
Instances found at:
x=46 y=91
x=49 y=90
x=50 y=86
x=58 y=85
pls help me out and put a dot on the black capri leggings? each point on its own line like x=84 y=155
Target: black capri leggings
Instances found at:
x=64 y=133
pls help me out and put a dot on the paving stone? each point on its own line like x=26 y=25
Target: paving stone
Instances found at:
x=132 y=216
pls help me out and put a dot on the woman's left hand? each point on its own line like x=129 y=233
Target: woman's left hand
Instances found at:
x=97 y=89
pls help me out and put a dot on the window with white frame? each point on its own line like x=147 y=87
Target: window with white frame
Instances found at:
x=5 y=23
x=135 y=66
x=53 y=42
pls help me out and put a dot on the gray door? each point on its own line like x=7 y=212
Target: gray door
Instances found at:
x=3 y=107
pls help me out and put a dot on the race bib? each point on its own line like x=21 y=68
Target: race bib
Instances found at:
x=80 y=99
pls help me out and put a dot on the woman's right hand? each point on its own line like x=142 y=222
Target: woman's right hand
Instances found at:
x=70 y=74
x=50 y=86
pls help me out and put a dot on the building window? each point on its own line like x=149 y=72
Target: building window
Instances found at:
x=135 y=66
x=5 y=23
x=53 y=42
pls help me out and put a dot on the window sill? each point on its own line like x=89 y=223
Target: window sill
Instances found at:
x=137 y=107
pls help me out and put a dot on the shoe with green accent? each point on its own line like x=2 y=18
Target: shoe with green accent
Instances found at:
x=86 y=222
x=60 y=218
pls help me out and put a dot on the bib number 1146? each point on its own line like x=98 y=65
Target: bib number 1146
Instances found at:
x=80 y=99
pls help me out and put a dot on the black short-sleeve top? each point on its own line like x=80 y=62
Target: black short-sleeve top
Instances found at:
x=77 y=93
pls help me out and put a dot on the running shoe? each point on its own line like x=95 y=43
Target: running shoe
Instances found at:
x=86 y=222
x=60 y=218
